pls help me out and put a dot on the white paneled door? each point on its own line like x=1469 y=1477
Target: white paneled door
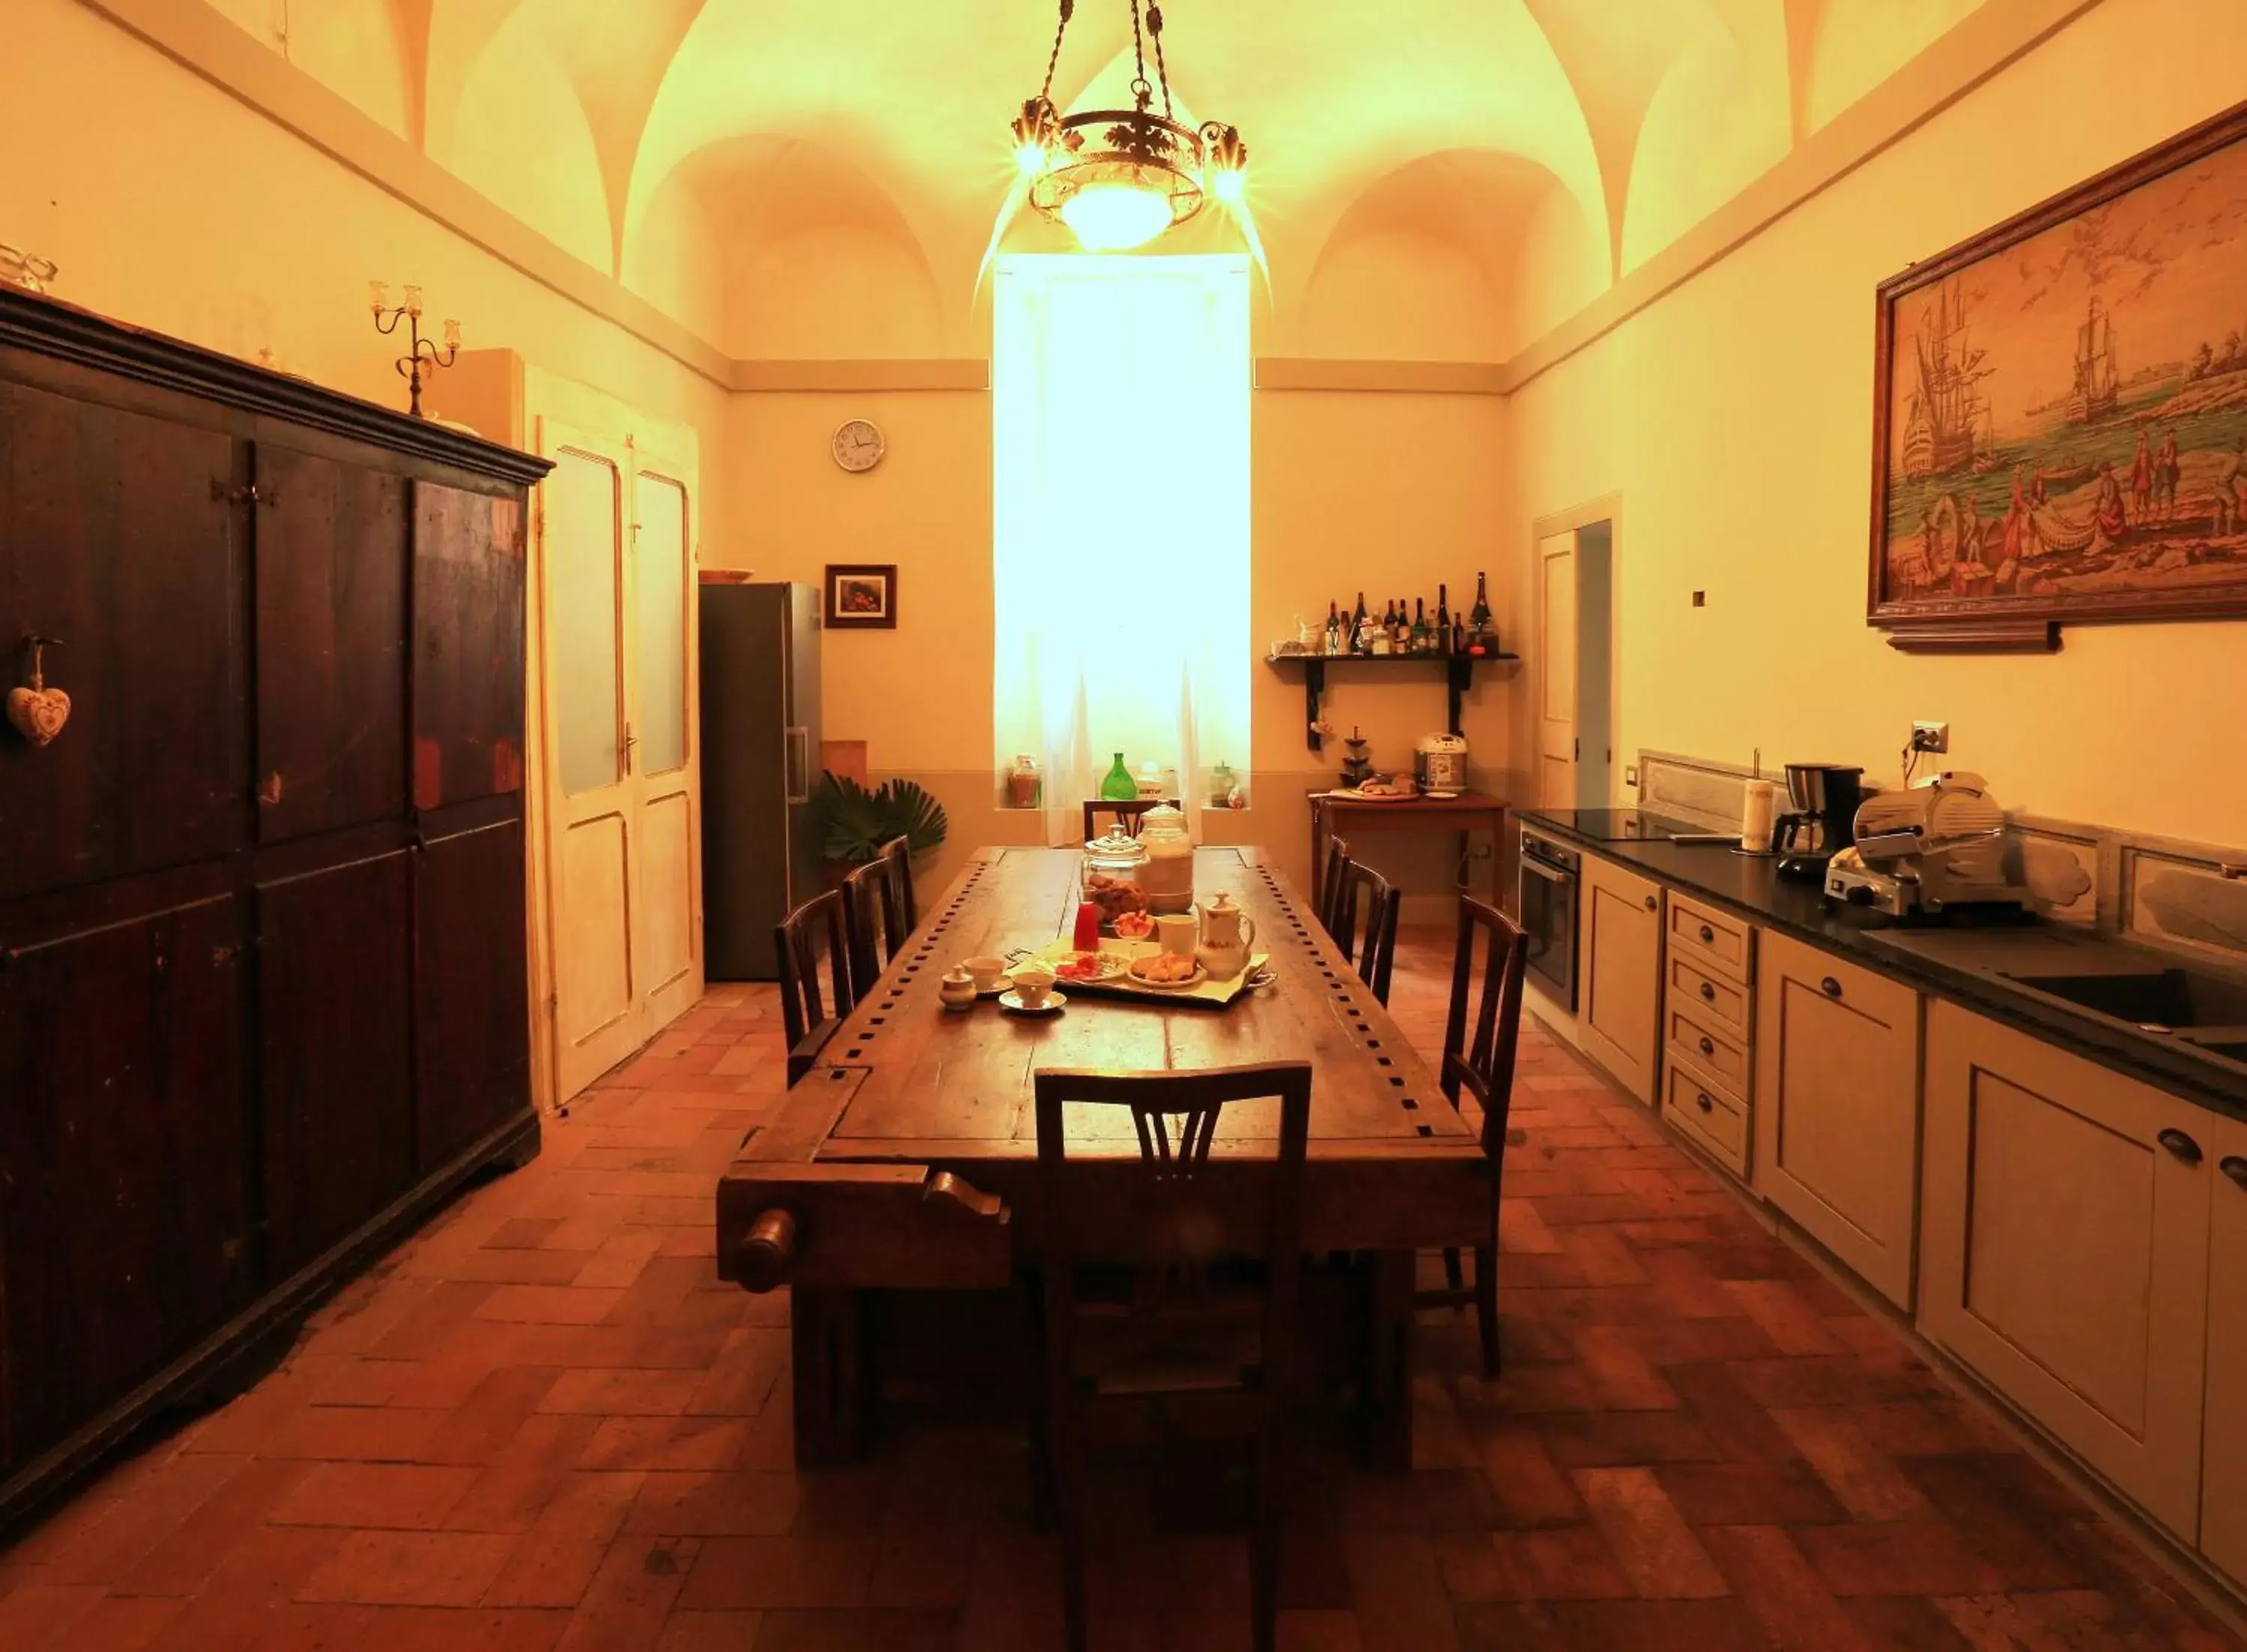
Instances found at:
x=1556 y=702
x=617 y=554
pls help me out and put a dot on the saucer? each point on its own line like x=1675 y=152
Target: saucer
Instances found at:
x=1052 y=1001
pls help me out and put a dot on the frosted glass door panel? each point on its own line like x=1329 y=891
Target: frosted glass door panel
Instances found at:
x=662 y=655
x=581 y=524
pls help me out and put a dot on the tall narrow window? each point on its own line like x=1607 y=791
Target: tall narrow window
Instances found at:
x=1120 y=390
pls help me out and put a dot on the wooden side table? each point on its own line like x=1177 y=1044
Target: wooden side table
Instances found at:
x=1468 y=812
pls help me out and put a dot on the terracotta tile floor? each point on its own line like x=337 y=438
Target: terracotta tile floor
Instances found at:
x=543 y=1423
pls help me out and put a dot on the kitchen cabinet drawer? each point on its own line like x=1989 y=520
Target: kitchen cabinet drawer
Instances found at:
x=2067 y=1252
x=1707 y=1114
x=1700 y=1041
x=1837 y=1108
x=1620 y=1024
x=1714 y=998
x=1724 y=946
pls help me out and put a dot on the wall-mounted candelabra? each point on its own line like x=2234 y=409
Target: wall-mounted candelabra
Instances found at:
x=425 y=352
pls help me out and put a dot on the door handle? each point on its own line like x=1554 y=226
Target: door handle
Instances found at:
x=2179 y=1145
x=2234 y=1167
x=797 y=761
x=631 y=745
x=1653 y=903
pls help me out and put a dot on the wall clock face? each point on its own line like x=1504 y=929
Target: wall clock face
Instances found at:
x=858 y=445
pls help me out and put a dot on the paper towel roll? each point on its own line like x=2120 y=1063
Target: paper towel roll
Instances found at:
x=1757 y=807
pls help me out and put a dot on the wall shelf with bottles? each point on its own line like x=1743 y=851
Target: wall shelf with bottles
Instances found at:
x=1458 y=669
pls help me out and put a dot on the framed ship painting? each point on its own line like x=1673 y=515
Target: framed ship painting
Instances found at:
x=2059 y=422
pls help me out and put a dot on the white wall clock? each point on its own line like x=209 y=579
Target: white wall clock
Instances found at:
x=858 y=445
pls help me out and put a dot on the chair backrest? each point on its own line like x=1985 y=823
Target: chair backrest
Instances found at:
x=898 y=853
x=1127 y=815
x=1366 y=908
x=874 y=926
x=1177 y=1223
x=816 y=933
x=1479 y=1056
x=1337 y=865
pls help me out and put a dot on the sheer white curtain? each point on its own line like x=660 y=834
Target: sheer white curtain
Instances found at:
x=1120 y=391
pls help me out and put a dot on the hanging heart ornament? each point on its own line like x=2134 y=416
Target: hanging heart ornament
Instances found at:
x=38 y=713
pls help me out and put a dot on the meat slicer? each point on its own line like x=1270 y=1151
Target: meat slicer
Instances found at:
x=1929 y=848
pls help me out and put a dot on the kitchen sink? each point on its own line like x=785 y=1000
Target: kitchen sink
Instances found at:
x=2159 y=999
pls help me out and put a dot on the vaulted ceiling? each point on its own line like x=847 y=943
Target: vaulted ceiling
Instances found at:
x=804 y=178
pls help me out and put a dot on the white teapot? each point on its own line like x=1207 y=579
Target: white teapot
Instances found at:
x=1226 y=934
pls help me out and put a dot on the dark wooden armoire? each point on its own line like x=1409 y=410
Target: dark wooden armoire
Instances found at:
x=263 y=935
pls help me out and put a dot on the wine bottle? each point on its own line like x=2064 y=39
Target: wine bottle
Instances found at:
x=1443 y=618
x=1419 y=624
x=1360 y=640
x=1334 y=627
x=1480 y=635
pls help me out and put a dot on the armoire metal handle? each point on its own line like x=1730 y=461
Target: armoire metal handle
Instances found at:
x=1708 y=1047
x=1831 y=987
x=1703 y=1102
x=1653 y=903
x=2179 y=1145
x=1708 y=936
x=1708 y=991
x=2234 y=1167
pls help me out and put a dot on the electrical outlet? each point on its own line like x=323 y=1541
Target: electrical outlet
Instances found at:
x=1930 y=737
x=1630 y=775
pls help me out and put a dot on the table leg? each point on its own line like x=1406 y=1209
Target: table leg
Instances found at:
x=826 y=1331
x=1389 y=1362
x=1318 y=848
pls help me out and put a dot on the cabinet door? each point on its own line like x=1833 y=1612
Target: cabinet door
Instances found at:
x=2224 y=1472
x=331 y=644
x=1837 y=1108
x=467 y=646
x=2066 y=1250
x=335 y=1000
x=471 y=992
x=1622 y=930
x=125 y=1162
x=116 y=535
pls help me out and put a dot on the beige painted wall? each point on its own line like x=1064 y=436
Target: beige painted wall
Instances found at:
x=1733 y=417
x=1392 y=493
x=201 y=218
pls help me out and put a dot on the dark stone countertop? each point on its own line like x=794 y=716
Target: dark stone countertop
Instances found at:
x=1957 y=964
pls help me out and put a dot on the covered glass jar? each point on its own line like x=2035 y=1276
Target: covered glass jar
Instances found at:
x=1113 y=868
x=1168 y=875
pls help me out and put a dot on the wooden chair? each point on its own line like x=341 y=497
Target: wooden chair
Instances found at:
x=898 y=853
x=1481 y=1063
x=822 y=924
x=1331 y=878
x=1198 y=1314
x=874 y=924
x=1366 y=906
x=1128 y=815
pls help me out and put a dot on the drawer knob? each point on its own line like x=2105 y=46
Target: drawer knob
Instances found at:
x=1708 y=935
x=2179 y=1145
x=1708 y=991
x=1703 y=1102
x=1831 y=987
x=2234 y=1167
x=1652 y=903
x=1708 y=1046
x=767 y=1255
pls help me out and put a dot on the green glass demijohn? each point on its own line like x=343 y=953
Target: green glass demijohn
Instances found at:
x=1119 y=787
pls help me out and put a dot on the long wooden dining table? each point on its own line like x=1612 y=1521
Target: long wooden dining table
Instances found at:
x=892 y=1190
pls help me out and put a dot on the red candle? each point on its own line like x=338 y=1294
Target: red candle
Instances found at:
x=1088 y=927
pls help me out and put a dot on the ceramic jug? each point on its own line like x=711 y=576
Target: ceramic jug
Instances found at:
x=1226 y=934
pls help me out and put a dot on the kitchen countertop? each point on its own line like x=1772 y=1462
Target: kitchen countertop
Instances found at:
x=1957 y=964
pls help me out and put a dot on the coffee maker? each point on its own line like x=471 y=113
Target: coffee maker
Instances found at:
x=1825 y=798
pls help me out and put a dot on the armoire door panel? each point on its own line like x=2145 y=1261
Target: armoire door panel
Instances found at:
x=118 y=536
x=468 y=644
x=471 y=989
x=125 y=1161
x=336 y=1004
x=330 y=582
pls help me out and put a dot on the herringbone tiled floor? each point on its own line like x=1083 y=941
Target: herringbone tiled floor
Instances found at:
x=544 y=1422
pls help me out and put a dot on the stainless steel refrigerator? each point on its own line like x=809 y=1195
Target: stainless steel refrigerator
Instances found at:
x=760 y=758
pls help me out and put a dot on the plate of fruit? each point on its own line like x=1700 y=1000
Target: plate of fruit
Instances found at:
x=1083 y=968
x=1134 y=926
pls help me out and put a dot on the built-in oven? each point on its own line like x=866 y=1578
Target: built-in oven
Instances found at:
x=1546 y=897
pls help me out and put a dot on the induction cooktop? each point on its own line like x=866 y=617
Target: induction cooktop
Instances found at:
x=1615 y=825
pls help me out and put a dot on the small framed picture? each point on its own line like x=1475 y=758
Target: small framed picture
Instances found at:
x=862 y=595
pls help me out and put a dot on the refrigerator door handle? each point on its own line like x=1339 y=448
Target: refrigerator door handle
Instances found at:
x=798 y=776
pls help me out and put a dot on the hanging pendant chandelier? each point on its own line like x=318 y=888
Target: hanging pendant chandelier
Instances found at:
x=1118 y=178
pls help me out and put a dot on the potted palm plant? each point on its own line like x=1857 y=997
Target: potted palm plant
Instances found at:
x=854 y=822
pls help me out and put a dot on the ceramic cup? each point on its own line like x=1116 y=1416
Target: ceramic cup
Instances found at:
x=1178 y=933
x=989 y=973
x=1032 y=982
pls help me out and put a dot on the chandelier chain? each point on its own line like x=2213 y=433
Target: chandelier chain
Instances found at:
x=1053 y=58
x=1140 y=89
x=1162 y=69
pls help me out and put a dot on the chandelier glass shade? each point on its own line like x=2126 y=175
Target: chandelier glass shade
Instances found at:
x=1119 y=178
